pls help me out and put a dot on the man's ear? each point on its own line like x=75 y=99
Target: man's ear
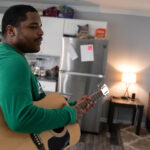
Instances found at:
x=10 y=30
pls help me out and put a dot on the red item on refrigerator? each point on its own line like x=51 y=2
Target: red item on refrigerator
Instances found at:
x=100 y=33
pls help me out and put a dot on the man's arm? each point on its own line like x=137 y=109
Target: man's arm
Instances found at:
x=17 y=104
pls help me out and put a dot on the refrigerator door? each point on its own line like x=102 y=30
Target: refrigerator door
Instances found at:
x=94 y=67
x=79 y=85
x=80 y=78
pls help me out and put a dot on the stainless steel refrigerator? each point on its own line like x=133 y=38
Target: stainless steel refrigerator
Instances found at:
x=79 y=75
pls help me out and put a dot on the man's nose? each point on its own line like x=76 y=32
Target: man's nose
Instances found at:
x=41 y=31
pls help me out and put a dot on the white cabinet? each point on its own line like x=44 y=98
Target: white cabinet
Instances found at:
x=54 y=28
x=71 y=26
x=1 y=16
x=48 y=86
x=52 y=38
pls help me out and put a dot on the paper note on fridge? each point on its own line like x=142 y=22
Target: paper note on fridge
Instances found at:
x=87 y=52
x=72 y=51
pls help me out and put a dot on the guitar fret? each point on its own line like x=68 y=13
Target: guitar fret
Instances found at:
x=93 y=97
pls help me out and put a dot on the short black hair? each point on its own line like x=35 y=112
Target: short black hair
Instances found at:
x=14 y=15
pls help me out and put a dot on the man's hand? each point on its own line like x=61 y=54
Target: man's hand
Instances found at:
x=83 y=105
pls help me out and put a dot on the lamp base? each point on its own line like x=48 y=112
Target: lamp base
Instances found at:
x=126 y=94
x=125 y=97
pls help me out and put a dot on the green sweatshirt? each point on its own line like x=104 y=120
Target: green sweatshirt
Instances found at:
x=18 y=89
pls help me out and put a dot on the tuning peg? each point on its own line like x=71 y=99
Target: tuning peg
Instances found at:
x=99 y=85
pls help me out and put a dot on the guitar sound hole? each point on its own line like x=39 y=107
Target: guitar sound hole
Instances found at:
x=59 y=130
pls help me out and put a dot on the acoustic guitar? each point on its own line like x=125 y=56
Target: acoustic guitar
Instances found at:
x=57 y=139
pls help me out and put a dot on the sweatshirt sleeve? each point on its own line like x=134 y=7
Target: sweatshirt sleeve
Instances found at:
x=17 y=104
x=22 y=116
x=72 y=103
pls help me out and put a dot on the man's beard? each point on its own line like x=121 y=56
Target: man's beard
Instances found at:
x=24 y=48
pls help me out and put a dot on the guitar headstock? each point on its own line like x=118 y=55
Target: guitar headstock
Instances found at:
x=104 y=89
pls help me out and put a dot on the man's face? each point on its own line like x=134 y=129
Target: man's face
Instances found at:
x=28 y=35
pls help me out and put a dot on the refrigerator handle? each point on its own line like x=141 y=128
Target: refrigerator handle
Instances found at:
x=83 y=74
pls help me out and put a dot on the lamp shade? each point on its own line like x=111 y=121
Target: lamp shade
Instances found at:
x=129 y=77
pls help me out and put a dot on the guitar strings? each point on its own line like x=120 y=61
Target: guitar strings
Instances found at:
x=94 y=97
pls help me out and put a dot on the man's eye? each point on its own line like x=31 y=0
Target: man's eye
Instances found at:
x=33 y=27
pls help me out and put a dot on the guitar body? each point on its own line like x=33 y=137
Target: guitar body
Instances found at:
x=19 y=141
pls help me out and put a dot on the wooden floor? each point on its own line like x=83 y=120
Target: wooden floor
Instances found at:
x=102 y=141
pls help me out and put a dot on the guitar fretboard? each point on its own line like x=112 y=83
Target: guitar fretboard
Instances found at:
x=94 y=96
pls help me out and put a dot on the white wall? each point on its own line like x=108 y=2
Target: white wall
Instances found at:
x=129 y=47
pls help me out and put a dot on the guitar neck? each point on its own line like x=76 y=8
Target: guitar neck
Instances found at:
x=94 y=96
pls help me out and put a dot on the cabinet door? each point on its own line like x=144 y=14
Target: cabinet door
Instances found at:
x=52 y=38
x=1 y=16
x=71 y=26
x=48 y=86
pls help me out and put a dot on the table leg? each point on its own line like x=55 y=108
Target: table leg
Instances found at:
x=110 y=116
x=140 y=108
x=133 y=117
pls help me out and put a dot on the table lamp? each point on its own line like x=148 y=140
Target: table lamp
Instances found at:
x=128 y=78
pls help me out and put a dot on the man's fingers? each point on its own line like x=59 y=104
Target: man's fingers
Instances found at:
x=85 y=97
x=78 y=106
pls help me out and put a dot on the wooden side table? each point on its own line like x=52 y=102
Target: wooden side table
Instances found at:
x=135 y=105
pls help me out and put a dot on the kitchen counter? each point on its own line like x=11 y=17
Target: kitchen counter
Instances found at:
x=47 y=79
x=48 y=85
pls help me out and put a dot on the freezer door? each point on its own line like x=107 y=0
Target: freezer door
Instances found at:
x=78 y=86
x=100 y=56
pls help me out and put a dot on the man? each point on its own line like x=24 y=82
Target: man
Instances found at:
x=22 y=33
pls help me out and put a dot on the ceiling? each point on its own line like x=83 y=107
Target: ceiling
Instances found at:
x=132 y=7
